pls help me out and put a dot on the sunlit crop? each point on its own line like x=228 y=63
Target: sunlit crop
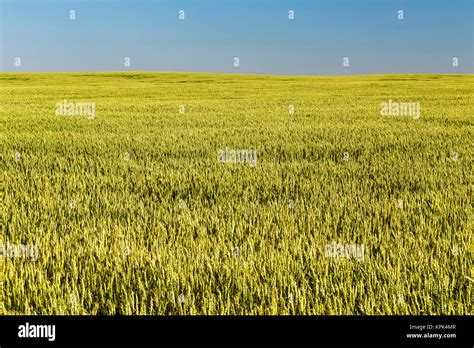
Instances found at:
x=137 y=211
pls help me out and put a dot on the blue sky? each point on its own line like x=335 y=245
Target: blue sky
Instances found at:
x=259 y=32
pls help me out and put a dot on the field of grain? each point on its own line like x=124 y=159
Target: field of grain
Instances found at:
x=131 y=211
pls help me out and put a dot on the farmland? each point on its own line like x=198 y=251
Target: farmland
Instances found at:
x=134 y=209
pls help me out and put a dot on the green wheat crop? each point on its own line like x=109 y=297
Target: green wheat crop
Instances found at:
x=131 y=212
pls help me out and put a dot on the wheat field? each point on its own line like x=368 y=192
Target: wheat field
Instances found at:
x=132 y=211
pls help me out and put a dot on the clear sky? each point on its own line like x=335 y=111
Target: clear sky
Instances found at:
x=258 y=32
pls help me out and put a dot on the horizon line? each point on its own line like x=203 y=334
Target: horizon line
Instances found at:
x=220 y=73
